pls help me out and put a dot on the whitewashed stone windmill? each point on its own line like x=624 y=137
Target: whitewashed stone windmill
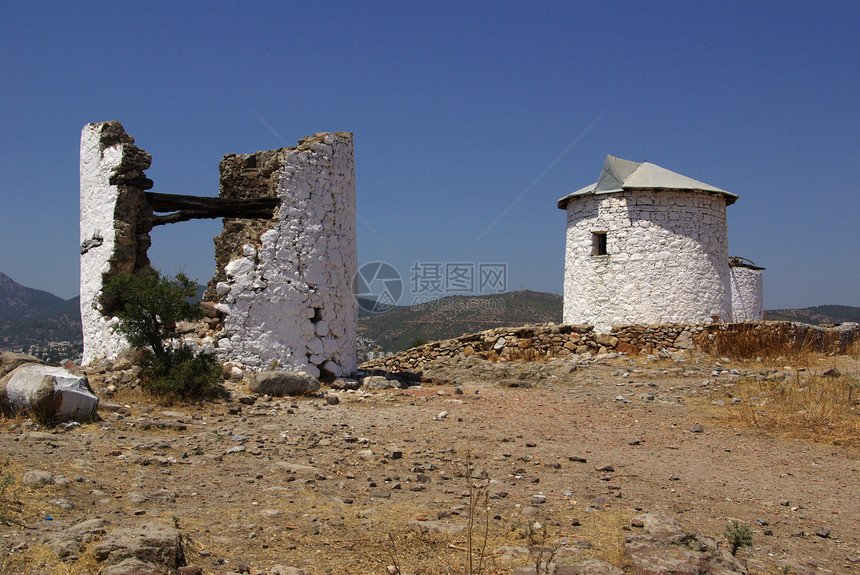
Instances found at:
x=648 y=246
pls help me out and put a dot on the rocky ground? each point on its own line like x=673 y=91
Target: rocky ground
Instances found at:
x=576 y=465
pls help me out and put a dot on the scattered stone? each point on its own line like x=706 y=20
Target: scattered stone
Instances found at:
x=73 y=539
x=697 y=428
x=10 y=360
x=63 y=503
x=37 y=478
x=657 y=524
x=588 y=567
x=133 y=566
x=345 y=384
x=377 y=382
x=281 y=383
x=823 y=532
x=680 y=554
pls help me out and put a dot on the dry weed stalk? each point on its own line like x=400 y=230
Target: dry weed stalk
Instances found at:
x=478 y=495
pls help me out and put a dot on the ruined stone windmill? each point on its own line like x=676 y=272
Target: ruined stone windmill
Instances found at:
x=284 y=260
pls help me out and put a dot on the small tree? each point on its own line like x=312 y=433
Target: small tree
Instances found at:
x=148 y=305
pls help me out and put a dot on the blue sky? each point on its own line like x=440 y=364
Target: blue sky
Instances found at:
x=470 y=118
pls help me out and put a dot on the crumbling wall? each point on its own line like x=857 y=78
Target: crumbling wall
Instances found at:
x=284 y=286
x=115 y=226
x=281 y=296
x=244 y=177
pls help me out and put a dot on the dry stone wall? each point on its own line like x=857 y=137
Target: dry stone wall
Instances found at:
x=544 y=341
x=666 y=259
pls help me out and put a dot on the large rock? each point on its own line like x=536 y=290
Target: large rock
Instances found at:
x=71 y=541
x=47 y=393
x=148 y=546
x=380 y=382
x=279 y=383
x=9 y=360
x=664 y=547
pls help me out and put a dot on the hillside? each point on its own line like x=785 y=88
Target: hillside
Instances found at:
x=453 y=316
x=18 y=302
x=817 y=315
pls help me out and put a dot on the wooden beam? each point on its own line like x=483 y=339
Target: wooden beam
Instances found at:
x=194 y=207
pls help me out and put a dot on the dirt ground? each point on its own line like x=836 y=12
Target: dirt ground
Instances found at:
x=382 y=480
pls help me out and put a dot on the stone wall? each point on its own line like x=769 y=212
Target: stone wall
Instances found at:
x=666 y=261
x=544 y=341
x=115 y=225
x=284 y=286
x=747 y=293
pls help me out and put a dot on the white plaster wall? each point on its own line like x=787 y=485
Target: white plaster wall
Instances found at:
x=667 y=259
x=98 y=199
x=747 y=294
x=289 y=302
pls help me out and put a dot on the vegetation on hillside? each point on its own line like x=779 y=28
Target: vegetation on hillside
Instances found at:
x=816 y=315
x=454 y=316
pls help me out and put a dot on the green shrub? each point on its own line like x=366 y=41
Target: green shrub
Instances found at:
x=738 y=534
x=148 y=305
x=182 y=374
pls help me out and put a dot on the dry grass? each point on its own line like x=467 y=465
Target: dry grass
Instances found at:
x=806 y=405
x=744 y=341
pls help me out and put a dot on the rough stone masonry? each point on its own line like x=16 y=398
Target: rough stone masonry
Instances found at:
x=282 y=284
x=285 y=285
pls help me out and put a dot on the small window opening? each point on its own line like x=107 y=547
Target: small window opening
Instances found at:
x=598 y=243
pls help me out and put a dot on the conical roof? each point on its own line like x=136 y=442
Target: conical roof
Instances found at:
x=618 y=175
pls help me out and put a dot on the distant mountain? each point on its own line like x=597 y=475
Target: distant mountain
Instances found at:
x=18 y=302
x=453 y=316
x=821 y=314
x=38 y=322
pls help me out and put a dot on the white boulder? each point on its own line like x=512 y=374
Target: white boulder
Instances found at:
x=48 y=392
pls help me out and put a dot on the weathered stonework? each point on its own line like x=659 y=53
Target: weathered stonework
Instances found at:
x=287 y=297
x=244 y=177
x=115 y=225
x=282 y=292
x=666 y=262
x=648 y=246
